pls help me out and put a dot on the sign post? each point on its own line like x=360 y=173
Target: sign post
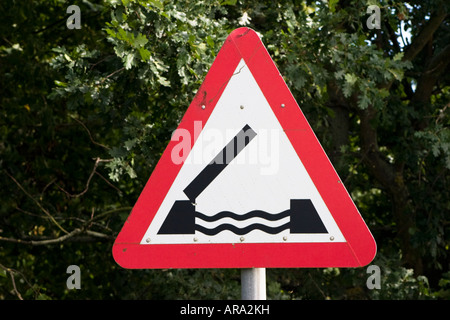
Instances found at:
x=253 y=284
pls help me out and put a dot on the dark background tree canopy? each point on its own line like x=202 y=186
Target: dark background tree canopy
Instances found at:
x=86 y=113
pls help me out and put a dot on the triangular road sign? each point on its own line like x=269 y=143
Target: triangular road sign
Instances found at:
x=244 y=182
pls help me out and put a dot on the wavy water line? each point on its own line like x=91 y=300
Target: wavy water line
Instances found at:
x=240 y=217
x=241 y=231
x=243 y=223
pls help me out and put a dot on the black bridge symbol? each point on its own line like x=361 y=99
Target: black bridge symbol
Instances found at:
x=181 y=217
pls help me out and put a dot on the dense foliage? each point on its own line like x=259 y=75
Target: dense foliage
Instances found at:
x=86 y=113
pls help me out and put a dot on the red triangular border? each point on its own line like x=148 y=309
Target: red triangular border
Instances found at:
x=360 y=248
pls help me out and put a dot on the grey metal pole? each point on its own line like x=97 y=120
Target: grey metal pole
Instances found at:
x=253 y=284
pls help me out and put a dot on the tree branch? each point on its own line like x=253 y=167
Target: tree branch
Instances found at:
x=11 y=274
x=419 y=42
x=425 y=35
x=73 y=233
x=391 y=178
x=393 y=37
x=437 y=65
x=94 y=170
x=112 y=73
x=66 y=237
x=44 y=242
x=382 y=170
x=89 y=133
x=37 y=203
x=339 y=122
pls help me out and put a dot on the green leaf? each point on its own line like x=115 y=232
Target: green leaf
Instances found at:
x=61 y=84
x=332 y=5
x=129 y=60
x=339 y=74
x=66 y=56
x=163 y=81
x=347 y=90
x=145 y=54
x=435 y=150
x=228 y=3
x=129 y=144
x=130 y=171
x=363 y=101
x=155 y=3
x=351 y=78
x=111 y=32
x=140 y=41
x=210 y=42
x=398 y=74
x=398 y=56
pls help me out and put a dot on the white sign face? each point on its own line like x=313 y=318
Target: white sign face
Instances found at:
x=262 y=193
